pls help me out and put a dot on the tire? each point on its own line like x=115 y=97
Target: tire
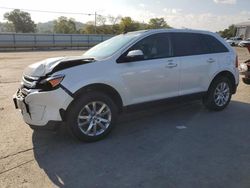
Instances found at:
x=246 y=81
x=91 y=116
x=34 y=128
x=219 y=94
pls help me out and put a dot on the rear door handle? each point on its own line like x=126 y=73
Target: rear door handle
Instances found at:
x=210 y=60
x=171 y=65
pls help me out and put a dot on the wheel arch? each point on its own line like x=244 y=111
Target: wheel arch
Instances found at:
x=228 y=75
x=103 y=88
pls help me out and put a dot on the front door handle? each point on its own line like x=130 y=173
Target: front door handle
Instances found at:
x=171 y=65
x=210 y=60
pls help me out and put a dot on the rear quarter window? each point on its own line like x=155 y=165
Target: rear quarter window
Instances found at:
x=213 y=45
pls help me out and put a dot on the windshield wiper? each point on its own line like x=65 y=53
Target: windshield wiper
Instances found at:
x=89 y=59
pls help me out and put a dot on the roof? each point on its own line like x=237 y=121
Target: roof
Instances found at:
x=154 y=31
x=243 y=24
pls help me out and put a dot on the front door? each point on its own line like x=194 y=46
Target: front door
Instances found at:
x=156 y=76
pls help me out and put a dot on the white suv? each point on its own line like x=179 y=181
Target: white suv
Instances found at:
x=89 y=91
x=234 y=41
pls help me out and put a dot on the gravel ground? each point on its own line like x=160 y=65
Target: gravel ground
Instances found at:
x=177 y=145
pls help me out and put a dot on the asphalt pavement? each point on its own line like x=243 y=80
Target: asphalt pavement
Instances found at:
x=175 y=145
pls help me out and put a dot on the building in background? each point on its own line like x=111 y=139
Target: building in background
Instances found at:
x=243 y=30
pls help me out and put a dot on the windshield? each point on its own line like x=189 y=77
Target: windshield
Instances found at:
x=110 y=46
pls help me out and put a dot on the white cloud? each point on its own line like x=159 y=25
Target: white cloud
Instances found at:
x=178 y=18
x=142 y=5
x=175 y=17
x=226 y=1
x=205 y=21
x=172 y=10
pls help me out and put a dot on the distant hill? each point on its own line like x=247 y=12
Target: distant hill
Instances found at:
x=47 y=27
x=80 y=25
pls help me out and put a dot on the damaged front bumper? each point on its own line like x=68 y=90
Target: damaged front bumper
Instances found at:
x=40 y=107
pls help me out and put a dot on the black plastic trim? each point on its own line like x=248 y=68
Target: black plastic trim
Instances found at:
x=50 y=126
x=167 y=101
x=62 y=114
x=66 y=90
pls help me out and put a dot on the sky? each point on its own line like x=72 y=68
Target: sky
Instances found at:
x=212 y=15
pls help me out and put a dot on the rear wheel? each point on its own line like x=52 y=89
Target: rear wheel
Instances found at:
x=219 y=94
x=92 y=116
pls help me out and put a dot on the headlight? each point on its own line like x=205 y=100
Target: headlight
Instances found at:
x=51 y=82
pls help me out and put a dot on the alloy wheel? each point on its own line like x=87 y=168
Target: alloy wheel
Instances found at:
x=222 y=94
x=94 y=118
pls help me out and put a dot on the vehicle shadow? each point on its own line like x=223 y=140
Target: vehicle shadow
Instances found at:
x=158 y=147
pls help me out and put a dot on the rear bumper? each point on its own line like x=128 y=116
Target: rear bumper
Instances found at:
x=40 y=108
x=245 y=73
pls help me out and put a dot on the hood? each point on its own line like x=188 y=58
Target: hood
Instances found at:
x=42 y=68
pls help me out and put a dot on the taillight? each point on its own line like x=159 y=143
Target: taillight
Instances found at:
x=236 y=62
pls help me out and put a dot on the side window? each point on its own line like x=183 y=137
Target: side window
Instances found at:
x=153 y=47
x=186 y=44
x=213 y=45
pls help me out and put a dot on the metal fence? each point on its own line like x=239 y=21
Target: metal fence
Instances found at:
x=16 y=41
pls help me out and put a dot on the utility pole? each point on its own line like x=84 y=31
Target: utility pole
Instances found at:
x=95 y=22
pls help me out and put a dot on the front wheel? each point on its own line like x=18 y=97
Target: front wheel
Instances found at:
x=92 y=116
x=219 y=94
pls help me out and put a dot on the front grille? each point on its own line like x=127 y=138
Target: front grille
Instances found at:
x=21 y=93
x=25 y=92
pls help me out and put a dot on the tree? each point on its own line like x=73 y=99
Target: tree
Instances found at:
x=89 y=28
x=114 y=20
x=6 y=27
x=115 y=27
x=157 y=23
x=101 y=20
x=229 y=32
x=65 y=25
x=102 y=28
x=21 y=21
x=127 y=25
x=121 y=25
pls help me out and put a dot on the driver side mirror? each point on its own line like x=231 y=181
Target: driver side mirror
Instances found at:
x=135 y=55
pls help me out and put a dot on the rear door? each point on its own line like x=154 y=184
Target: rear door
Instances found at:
x=197 y=64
